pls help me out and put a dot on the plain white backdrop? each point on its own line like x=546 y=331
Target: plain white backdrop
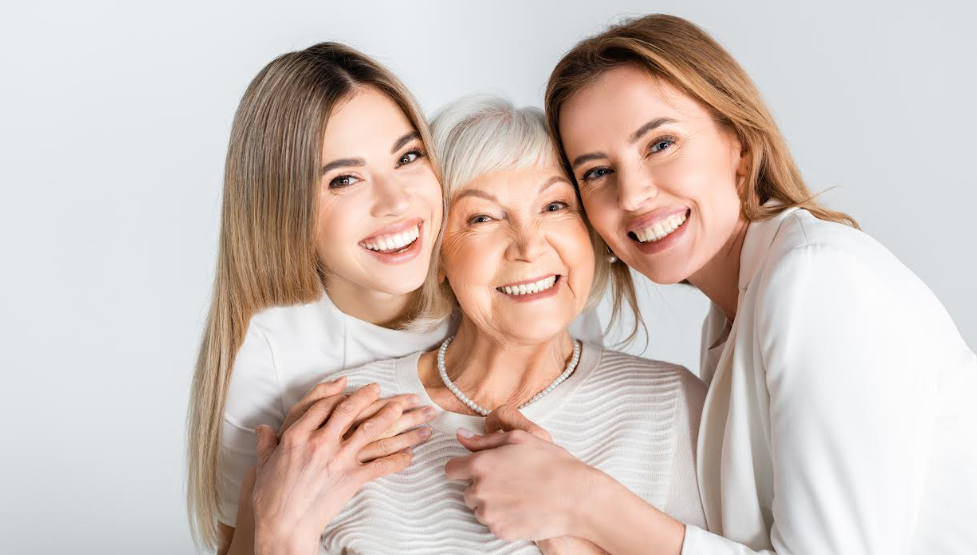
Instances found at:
x=114 y=119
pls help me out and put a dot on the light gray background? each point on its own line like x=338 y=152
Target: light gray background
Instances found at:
x=114 y=120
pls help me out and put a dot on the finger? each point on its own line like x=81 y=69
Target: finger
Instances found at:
x=319 y=414
x=373 y=429
x=384 y=466
x=476 y=443
x=317 y=392
x=266 y=444
x=343 y=415
x=469 y=497
x=327 y=404
x=410 y=420
x=460 y=468
x=390 y=445
x=507 y=418
x=406 y=401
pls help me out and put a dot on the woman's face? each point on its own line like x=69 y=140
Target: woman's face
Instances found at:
x=517 y=254
x=657 y=175
x=380 y=204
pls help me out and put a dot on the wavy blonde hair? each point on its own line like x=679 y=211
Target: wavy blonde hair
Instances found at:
x=683 y=55
x=266 y=254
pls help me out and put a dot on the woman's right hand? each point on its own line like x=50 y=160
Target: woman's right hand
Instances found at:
x=304 y=481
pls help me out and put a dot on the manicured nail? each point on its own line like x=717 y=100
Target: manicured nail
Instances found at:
x=430 y=412
x=467 y=434
x=425 y=433
x=415 y=400
x=409 y=451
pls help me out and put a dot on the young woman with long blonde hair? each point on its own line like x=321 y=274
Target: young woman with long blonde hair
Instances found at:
x=840 y=414
x=331 y=210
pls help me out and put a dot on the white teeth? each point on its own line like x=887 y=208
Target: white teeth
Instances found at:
x=394 y=240
x=529 y=288
x=660 y=229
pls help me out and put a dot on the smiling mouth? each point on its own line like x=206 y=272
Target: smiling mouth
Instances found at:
x=660 y=229
x=537 y=286
x=394 y=243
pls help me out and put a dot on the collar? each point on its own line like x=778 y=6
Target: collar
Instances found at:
x=759 y=237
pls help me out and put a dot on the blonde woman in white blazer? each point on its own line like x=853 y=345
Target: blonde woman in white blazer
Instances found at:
x=841 y=414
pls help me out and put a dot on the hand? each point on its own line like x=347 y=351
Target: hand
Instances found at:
x=524 y=487
x=392 y=440
x=304 y=482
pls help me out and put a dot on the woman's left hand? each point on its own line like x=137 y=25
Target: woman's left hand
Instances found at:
x=523 y=486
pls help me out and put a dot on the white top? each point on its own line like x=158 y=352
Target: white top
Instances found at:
x=285 y=352
x=841 y=414
x=646 y=412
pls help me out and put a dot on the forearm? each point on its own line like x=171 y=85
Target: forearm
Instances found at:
x=622 y=523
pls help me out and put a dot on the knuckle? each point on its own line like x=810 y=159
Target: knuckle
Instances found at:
x=519 y=435
x=381 y=467
x=370 y=429
x=383 y=445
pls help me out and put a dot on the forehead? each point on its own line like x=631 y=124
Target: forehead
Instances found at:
x=515 y=183
x=624 y=98
x=368 y=118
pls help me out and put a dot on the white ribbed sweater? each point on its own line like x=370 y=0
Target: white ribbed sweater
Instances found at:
x=633 y=418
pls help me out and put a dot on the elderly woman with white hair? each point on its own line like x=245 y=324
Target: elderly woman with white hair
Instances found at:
x=517 y=265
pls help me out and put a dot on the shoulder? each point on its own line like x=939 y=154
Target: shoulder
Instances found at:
x=383 y=372
x=809 y=258
x=295 y=323
x=655 y=377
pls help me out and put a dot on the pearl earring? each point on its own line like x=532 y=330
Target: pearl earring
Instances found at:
x=611 y=258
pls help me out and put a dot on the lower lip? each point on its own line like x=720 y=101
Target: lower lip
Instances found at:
x=654 y=247
x=401 y=257
x=530 y=297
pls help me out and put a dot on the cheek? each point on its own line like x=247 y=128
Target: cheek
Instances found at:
x=577 y=253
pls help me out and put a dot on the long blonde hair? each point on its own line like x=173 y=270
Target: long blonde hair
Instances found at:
x=683 y=55
x=266 y=254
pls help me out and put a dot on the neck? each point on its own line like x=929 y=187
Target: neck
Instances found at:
x=493 y=371
x=719 y=278
x=376 y=307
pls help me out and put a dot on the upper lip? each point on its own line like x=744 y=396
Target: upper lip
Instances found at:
x=393 y=228
x=649 y=219
x=528 y=281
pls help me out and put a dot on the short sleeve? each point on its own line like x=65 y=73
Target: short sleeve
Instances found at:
x=253 y=398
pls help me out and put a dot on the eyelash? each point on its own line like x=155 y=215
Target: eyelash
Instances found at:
x=560 y=203
x=417 y=152
x=588 y=176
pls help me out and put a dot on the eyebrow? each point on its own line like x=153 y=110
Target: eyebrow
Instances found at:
x=359 y=162
x=635 y=137
x=344 y=163
x=551 y=181
x=476 y=193
x=404 y=140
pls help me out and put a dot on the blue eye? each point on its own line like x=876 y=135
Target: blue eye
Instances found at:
x=596 y=173
x=343 y=181
x=662 y=144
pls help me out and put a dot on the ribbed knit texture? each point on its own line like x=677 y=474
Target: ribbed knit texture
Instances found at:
x=633 y=418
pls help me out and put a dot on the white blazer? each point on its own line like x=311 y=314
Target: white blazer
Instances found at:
x=841 y=416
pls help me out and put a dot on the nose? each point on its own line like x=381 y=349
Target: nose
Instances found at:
x=528 y=243
x=634 y=190
x=391 y=197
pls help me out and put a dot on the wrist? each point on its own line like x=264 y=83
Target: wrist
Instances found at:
x=272 y=540
x=595 y=496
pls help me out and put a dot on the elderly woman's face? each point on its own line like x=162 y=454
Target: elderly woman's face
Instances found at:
x=517 y=253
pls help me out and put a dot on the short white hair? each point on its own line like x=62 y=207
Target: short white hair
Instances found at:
x=480 y=134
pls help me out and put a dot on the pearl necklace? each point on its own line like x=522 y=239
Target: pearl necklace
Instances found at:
x=484 y=412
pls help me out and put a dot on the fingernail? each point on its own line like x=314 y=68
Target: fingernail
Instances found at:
x=415 y=400
x=467 y=434
x=409 y=451
x=425 y=433
x=430 y=412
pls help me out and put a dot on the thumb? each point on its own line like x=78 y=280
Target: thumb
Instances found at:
x=475 y=443
x=507 y=418
x=267 y=441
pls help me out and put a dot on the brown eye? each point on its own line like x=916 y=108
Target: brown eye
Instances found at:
x=409 y=157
